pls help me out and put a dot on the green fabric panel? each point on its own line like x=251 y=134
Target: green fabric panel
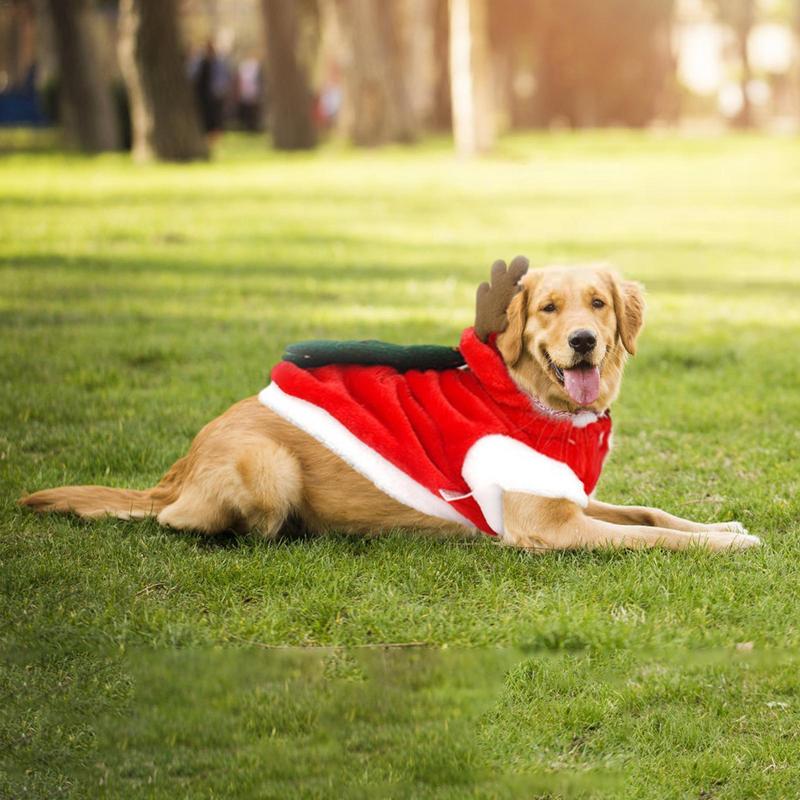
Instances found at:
x=319 y=352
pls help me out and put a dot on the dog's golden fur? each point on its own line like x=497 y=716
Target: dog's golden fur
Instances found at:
x=249 y=469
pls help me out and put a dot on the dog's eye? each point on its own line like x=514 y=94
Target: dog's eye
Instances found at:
x=597 y=303
x=549 y=308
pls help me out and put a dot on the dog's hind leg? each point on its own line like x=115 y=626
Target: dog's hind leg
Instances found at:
x=271 y=486
x=254 y=488
x=197 y=510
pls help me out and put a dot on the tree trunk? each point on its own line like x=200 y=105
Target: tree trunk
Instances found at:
x=740 y=16
x=796 y=22
x=17 y=41
x=743 y=27
x=470 y=77
x=418 y=57
x=376 y=106
x=87 y=107
x=441 y=116
x=291 y=118
x=164 y=116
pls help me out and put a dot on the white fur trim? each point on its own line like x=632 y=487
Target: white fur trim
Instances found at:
x=497 y=464
x=327 y=430
x=583 y=418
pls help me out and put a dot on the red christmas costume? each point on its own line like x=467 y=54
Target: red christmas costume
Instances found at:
x=445 y=442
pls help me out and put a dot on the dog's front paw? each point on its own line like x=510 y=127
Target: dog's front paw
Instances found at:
x=732 y=527
x=731 y=540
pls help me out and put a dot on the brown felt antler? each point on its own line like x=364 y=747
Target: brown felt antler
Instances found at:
x=492 y=301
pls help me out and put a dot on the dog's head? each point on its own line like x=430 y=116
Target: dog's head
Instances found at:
x=569 y=333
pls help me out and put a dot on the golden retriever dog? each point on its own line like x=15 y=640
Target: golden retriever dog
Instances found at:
x=568 y=333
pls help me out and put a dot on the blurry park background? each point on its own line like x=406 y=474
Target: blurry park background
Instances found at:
x=158 y=76
x=140 y=297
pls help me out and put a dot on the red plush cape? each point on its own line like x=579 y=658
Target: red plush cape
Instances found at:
x=448 y=442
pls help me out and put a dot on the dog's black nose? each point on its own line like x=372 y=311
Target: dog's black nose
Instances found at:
x=582 y=341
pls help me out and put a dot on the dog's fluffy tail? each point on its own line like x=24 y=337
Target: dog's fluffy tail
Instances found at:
x=103 y=501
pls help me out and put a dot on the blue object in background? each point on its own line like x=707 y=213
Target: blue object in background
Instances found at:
x=19 y=105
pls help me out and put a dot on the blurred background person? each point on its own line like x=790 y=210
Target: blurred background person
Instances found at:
x=249 y=93
x=211 y=80
x=329 y=98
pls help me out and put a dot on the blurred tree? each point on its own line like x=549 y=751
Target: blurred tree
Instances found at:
x=511 y=31
x=794 y=21
x=740 y=16
x=419 y=61
x=471 y=77
x=87 y=108
x=164 y=117
x=376 y=104
x=606 y=63
x=17 y=40
x=441 y=116
x=291 y=119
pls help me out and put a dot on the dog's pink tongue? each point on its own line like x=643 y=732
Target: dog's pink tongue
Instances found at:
x=582 y=385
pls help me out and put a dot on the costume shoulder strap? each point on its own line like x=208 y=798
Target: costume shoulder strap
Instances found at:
x=321 y=352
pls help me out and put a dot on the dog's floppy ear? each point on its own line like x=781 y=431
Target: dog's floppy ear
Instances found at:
x=511 y=340
x=629 y=308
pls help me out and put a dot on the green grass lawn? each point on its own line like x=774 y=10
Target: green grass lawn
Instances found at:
x=138 y=303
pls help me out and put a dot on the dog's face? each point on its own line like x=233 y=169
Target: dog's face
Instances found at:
x=569 y=333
